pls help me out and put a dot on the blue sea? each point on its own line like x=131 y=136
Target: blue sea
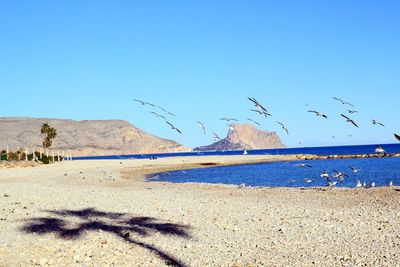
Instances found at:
x=327 y=150
x=286 y=174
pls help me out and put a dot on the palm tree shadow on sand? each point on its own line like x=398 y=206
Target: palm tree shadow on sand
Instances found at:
x=122 y=225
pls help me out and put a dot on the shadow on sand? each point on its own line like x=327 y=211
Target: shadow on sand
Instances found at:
x=62 y=223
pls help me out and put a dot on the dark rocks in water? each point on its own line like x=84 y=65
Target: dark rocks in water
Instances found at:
x=224 y=144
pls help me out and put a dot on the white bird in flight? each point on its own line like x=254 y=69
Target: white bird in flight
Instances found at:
x=228 y=119
x=349 y=120
x=173 y=127
x=375 y=122
x=262 y=109
x=283 y=127
x=253 y=121
x=216 y=137
x=318 y=113
x=343 y=101
x=143 y=102
x=201 y=125
x=354 y=169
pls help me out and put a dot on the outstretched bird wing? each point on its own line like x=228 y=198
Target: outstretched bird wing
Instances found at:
x=201 y=125
x=344 y=116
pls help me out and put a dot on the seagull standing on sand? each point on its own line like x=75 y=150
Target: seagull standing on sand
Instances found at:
x=375 y=122
x=319 y=114
x=201 y=125
x=390 y=183
x=373 y=184
x=283 y=127
x=349 y=120
x=358 y=183
x=173 y=127
x=343 y=102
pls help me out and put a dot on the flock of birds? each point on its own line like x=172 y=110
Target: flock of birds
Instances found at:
x=260 y=110
x=264 y=112
x=337 y=177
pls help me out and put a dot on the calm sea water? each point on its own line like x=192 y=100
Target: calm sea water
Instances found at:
x=328 y=150
x=287 y=174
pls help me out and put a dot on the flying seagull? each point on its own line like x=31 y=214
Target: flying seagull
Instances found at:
x=143 y=102
x=318 y=113
x=303 y=165
x=354 y=170
x=397 y=136
x=349 y=120
x=166 y=111
x=375 y=122
x=253 y=121
x=325 y=175
x=228 y=119
x=201 y=125
x=258 y=105
x=343 y=102
x=340 y=175
x=283 y=127
x=173 y=127
x=216 y=137
x=265 y=113
x=158 y=115
x=352 y=111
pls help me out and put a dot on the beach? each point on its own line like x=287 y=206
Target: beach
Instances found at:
x=104 y=213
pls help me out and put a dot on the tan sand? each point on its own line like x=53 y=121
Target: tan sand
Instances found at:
x=101 y=213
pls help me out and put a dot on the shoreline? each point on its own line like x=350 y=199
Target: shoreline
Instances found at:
x=89 y=213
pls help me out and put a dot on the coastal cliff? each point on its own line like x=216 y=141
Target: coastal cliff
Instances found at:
x=84 y=138
x=245 y=136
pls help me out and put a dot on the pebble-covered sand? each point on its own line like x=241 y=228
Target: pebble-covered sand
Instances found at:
x=101 y=213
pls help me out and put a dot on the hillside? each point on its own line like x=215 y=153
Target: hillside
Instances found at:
x=83 y=138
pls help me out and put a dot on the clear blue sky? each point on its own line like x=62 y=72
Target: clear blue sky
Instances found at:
x=201 y=60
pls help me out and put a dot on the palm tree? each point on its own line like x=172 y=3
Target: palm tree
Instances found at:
x=50 y=132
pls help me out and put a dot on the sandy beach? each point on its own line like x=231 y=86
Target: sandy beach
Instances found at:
x=104 y=213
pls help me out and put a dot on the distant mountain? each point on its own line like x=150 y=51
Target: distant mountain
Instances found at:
x=83 y=138
x=245 y=136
